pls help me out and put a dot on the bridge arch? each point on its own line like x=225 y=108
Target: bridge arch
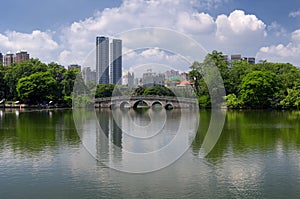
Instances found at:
x=140 y=104
x=157 y=103
x=125 y=104
x=169 y=106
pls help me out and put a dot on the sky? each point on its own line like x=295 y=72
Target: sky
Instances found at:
x=64 y=31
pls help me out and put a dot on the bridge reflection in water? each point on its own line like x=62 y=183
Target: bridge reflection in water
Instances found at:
x=135 y=102
x=123 y=132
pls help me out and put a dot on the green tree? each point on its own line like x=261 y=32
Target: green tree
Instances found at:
x=158 y=90
x=237 y=72
x=233 y=102
x=19 y=70
x=292 y=100
x=139 y=91
x=37 y=87
x=3 y=84
x=68 y=81
x=259 y=89
x=105 y=90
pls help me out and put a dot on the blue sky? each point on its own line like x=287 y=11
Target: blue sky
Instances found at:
x=64 y=31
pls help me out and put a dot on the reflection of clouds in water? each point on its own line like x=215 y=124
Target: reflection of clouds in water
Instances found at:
x=26 y=159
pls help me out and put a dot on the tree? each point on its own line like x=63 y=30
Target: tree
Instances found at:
x=37 y=88
x=19 y=70
x=259 y=89
x=237 y=72
x=158 y=90
x=105 y=90
x=207 y=79
x=139 y=91
x=233 y=102
x=292 y=100
x=3 y=84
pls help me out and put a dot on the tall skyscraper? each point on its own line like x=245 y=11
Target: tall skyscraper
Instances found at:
x=116 y=61
x=108 y=60
x=102 y=60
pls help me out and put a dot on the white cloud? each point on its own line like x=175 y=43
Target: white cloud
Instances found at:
x=238 y=33
x=294 y=14
x=230 y=33
x=277 y=29
x=283 y=53
x=38 y=44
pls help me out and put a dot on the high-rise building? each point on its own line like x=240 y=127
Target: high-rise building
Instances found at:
x=128 y=78
x=116 y=61
x=21 y=56
x=108 y=60
x=102 y=60
x=8 y=59
x=88 y=75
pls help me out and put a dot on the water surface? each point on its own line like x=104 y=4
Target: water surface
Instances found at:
x=256 y=156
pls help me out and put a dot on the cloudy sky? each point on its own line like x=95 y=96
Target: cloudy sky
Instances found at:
x=64 y=31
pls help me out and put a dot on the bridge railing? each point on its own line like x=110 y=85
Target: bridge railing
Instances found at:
x=166 y=98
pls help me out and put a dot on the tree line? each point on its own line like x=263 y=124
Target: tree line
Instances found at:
x=34 y=82
x=261 y=85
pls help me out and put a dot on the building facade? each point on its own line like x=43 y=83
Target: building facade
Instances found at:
x=21 y=56
x=8 y=59
x=102 y=60
x=116 y=61
x=128 y=79
x=152 y=79
x=108 y=60
x=88 y=75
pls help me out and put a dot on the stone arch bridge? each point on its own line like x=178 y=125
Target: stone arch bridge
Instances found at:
x=145 y=102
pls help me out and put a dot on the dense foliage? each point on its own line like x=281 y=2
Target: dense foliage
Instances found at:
x=34 y=82
x=108 y=90
x=261 y=85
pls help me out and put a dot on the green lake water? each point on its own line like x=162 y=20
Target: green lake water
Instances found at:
x=44 y=155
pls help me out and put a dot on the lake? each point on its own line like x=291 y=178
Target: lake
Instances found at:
x=148 y=154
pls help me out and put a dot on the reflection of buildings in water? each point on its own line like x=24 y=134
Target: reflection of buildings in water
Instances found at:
x=149 y=130
x=109 y=144
x=124 y=133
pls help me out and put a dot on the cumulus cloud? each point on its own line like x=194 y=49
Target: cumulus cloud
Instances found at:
x=283 y=53
x=226 y=33
x=38 y=44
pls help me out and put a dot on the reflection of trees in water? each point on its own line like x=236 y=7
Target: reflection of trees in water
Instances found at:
x=37 y=131
x=248 y=131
